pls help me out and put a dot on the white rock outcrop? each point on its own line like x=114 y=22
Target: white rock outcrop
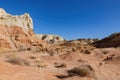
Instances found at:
x=23 y=21
x=50 y=38
x=16 y=32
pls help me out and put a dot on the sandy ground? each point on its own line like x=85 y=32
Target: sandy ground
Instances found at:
x=105 y=64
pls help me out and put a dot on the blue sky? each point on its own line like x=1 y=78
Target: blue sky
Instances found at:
x=71 y=19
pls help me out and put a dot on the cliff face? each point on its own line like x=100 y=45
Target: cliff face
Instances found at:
x=17 y=31
x=23 y=21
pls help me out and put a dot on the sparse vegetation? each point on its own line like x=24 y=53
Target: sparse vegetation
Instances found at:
x=11 y=55
x=18 y=61
x=81 y=71
x=60 y=65
x=2 y=51
x=33 y=57
x=40 y=64
x=81 y=60
x=87 y=52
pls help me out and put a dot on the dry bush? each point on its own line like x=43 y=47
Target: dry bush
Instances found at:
x=73 y=49
x=33 y=57
x=81 y=60
x=79 y=72
x=60 y=65
x=40 y=64
x=11 y=55
x=87 y=52
x=82 y=71
x=105 y=51
x=3 y=51
x=18 y=61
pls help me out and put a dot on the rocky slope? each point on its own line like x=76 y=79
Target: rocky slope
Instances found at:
x=110 y=41
x=16 y=32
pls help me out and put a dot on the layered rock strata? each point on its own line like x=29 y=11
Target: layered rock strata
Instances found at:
x=17 y=31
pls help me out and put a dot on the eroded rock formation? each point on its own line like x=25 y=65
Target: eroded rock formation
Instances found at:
x=50 y=38
x=16 y=32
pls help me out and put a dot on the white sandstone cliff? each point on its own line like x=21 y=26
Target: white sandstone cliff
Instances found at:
x=16 y=32
x=23 y=21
